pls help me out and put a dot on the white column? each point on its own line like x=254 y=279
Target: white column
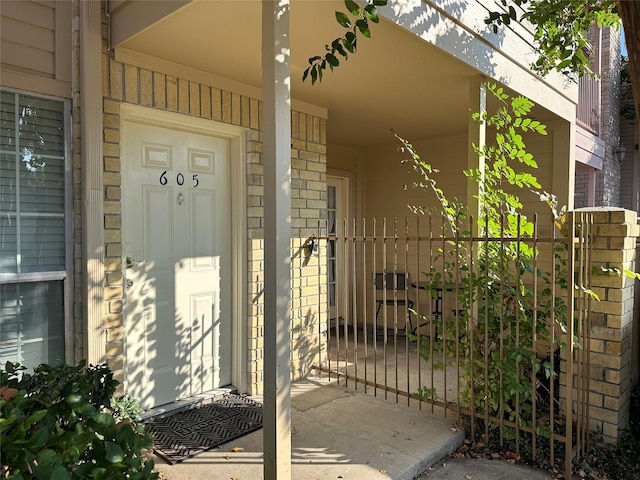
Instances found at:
x=478 y=137
x=277 y=238
x=564 y=163
x=92 y=191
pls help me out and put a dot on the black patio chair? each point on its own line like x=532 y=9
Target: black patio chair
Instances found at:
x=393 y=282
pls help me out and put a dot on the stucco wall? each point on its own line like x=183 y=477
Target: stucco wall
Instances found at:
x=386 y=176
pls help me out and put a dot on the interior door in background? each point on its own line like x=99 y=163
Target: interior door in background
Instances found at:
x=337 y=201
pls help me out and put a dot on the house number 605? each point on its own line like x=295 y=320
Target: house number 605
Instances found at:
x=179 y=179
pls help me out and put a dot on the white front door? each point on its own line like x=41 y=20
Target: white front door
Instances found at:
x=337 y=201
x=177 y=254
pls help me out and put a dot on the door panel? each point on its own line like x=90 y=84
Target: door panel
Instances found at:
x=176 y=229
x=204 y=352
x=202 y=204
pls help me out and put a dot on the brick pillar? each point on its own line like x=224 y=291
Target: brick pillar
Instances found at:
x=614 y=246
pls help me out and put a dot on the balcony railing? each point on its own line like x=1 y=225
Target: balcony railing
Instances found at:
x=588 y=109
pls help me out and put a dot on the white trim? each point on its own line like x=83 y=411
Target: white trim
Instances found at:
x=239 y=260
x=590 y=149
x=69 y=284
x=155 y=64
x=343 y=297
x=33 y=277
x=564 y=165
x=92 y=184
x=237 y=137
x=354 y=195
x=477 y=133
x=178 y=121
x=33 y=83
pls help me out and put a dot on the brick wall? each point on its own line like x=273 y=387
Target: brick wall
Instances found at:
x=308 y=208
x=308 y=275
x=630 y=185
x=608 y=179
x=610 y=367
x=132 y=84
x=581 y=192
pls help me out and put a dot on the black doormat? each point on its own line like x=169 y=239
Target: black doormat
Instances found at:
x=190 y=432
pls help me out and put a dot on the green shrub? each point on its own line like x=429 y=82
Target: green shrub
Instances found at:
x=126 y=408
x=57 y=423
x=509 y=321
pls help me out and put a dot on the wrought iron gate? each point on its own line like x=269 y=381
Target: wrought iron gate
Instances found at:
x=489 y=331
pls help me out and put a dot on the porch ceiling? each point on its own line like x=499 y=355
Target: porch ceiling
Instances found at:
x=395 y=81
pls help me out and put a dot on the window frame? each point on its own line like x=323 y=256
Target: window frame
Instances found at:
x=66 y=276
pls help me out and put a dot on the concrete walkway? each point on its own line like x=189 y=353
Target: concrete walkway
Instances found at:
x=481 y=469
x=337 y=433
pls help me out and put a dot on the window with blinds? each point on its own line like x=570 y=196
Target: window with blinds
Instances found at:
x=33 y=258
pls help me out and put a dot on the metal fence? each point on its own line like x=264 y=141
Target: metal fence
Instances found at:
x=488 y=331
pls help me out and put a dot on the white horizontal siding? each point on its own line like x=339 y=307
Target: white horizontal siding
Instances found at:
x=41 y=14
x=28 y=38
x=35 y=41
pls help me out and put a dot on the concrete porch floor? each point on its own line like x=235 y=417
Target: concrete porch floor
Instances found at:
x=391 y=362
x=337 y=433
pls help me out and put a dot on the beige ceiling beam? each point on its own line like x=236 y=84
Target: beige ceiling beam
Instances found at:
x=130 y=17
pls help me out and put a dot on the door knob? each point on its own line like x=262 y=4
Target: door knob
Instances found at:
x=131 y=262
x=129 y=283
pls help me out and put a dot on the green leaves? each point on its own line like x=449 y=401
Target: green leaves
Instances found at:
x=59 y=473
x=363 y=27
x=560 y=30
x=349 y=42
x=356 y=21
x=353 y=7
x=114 y=452
x=529 y=124
x=343 y=19
x=57 y=425
x=510 y=118
x=372 y=13
x=498 y=317
x=73 y=398
x=631 y=274
x=332 y=60
x=497 y=18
